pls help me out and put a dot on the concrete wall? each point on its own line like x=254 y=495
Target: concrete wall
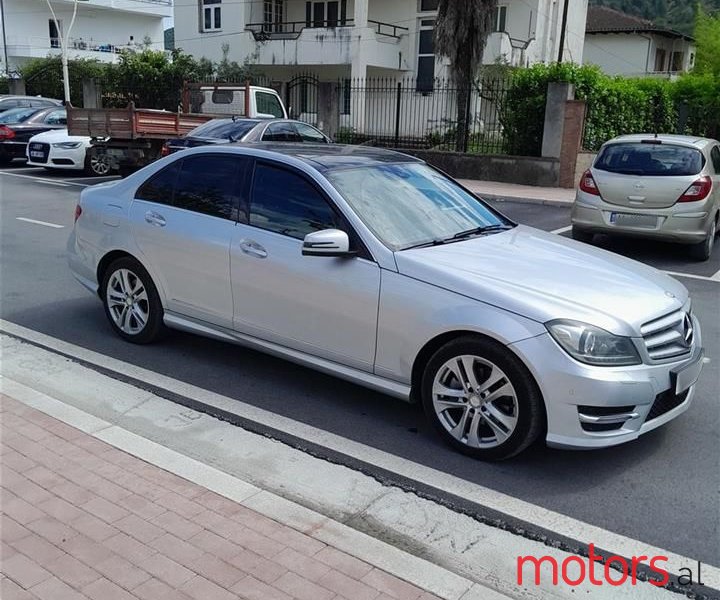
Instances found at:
x=28 y=33
x=511 y=169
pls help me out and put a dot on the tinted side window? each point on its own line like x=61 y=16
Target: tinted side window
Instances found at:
x=161 y=186
x=285 y=202
x=281 y=132
x=715 y=155
x=209 y=184
x=310 y=134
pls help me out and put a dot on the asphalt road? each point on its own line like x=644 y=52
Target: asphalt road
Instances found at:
x=662 y=488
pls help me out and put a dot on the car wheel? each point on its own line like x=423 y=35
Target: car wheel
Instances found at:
x=581 y=235
x=97 y=164
x=482 y=399
x=131 y=301
x=703 y=250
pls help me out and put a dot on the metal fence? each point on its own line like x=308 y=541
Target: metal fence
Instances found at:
x=412 y=113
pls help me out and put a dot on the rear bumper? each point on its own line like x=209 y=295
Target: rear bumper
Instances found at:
x=686 y=223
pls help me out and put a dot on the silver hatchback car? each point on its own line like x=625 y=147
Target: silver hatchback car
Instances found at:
x=373 y=266
x=665 y=187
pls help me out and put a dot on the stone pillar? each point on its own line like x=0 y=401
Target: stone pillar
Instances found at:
x=359 y=86
x=573 y=126
x=360 y=17
x=92 y=93
x=16 y=87
x=328 y=104
x=557 y=96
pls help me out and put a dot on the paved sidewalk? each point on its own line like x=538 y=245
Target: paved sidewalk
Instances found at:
x=82 y=519
x=525 y=193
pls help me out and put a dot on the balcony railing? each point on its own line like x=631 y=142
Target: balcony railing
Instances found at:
x=388 y=29
x=292 y=29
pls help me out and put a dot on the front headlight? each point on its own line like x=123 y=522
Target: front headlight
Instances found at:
x=592 y=345
x=67 y=145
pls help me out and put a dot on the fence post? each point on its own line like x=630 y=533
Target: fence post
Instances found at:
x=557 y=95
x=92 y=93
x=328 y=107
x=16 y=87
x=398 y=101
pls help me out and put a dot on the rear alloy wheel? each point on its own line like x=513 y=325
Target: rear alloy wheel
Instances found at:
x=96 y=163
x=703 y=250
x=131 y=301
x=482 y=399
x=581 y=235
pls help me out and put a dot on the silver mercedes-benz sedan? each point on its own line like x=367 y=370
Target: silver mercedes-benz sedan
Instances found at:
x=375 y=267
x=664 y=187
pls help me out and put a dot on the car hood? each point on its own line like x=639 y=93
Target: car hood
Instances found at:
x=58 y=135
x=544 y=276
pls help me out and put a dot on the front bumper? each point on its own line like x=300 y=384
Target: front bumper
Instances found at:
x=596 y=407
x=683 y=223
x=59 y=158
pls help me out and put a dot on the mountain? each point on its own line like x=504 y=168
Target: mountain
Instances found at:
x=675 y=14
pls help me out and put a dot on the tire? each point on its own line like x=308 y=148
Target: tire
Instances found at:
x=582 y=236
x=96 y=164
x=123 y=275
x=518 y=402
x=703 y=250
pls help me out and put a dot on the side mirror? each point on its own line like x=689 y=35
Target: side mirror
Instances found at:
x=328 y=242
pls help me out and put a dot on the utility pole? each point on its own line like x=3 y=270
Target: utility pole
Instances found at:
x=64 y=39
x=563 y=28
x=2 y=16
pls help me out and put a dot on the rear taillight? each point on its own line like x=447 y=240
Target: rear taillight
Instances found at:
x=6 y=133
x=165 y=150
x=699 y=190
x=588 y=185
x=78 y=212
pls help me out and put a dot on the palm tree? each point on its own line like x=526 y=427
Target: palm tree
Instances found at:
x=461 y=31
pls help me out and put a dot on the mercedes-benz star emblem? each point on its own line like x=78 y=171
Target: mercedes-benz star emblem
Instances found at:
x=687 y=331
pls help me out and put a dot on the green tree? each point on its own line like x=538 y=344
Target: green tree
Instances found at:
x=707 y=43
x=43 y=76
x=461 y=31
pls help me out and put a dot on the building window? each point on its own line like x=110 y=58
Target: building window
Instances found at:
x=659 y=59
x=326 y=14
x=426 y=56
x=54 y=33
x=676 y=63
x=429 y=5
x=211 y=15
x=273 y=15
x=499 y=18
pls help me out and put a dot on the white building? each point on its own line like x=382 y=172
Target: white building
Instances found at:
x=101 y=29
x=365 y=38
x=622 y=44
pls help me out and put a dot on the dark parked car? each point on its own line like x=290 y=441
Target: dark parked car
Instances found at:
x=18 y=125
x=222 y=131
x=8 y=102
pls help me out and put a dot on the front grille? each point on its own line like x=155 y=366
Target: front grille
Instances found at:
x=41 y=150
x=665 y=402
x=668 y=336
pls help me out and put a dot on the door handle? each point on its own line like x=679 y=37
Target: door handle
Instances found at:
x=252 y=249
x=155 y=218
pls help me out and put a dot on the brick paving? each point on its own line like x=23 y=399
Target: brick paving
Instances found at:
x=81 y=519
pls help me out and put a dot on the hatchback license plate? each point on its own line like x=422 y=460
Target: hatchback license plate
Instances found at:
x=633 y=220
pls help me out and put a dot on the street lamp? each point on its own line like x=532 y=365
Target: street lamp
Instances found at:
x=63 y=45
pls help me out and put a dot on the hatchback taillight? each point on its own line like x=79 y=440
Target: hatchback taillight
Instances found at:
x=78 y=211
x=588 y=185
x=6 y=133
x=698 y=190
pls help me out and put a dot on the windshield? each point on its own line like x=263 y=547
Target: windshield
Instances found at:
x=408 y=205
x=650 y=159
x=17 y=115
x=223 y=129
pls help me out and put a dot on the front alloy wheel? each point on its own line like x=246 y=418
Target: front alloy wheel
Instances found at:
x=482 y=399
x=131 y=301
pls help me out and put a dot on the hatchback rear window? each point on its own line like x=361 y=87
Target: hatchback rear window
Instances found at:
x=650 y=159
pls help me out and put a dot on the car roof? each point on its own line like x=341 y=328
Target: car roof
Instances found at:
x=6 y=96
x=682 y=140
x=326 y=157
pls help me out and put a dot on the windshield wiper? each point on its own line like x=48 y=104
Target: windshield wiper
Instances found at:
x=480 y=231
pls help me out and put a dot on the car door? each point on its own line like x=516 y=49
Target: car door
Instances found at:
x=324 y=306
x=183 y=220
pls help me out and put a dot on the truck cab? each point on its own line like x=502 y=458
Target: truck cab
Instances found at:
x=243 y=101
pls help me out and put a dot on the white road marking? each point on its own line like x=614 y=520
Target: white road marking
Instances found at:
x=693 y=276
x=45 y=223
x=498 y=501
x=63 y=183
x=562 y=229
